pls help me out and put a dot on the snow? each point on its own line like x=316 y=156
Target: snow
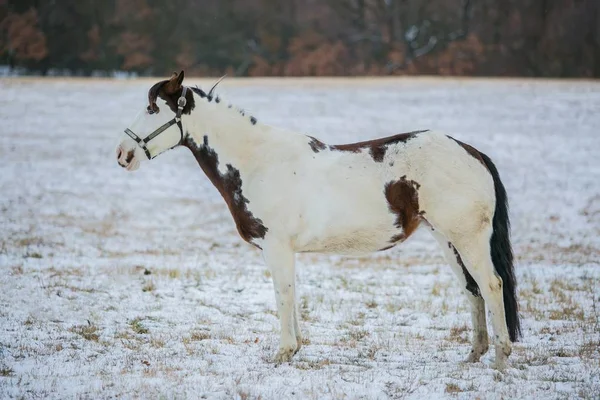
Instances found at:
x=117 y=284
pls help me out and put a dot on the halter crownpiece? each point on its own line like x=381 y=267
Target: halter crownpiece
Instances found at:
x=181 y=102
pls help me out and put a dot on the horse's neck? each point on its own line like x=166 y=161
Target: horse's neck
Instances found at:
x=227 y=132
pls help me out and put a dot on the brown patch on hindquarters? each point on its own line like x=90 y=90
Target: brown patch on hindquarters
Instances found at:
x=229 y=185
x=377 y=147
x=471 y=284
x=403 y=200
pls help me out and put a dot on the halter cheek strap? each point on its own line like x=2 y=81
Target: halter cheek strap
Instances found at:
x=181 y=102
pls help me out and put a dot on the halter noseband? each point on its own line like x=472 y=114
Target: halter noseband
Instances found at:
x=181 y=102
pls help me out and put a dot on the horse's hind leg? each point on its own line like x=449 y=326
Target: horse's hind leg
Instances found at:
x=480 y=342
x=475 y=253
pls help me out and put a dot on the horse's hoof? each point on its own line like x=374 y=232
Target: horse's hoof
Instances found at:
x=298 y=344
x=473 y=357
x=500 y=366
x=284 y=355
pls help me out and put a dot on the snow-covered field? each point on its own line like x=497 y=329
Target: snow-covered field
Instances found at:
x=136 y=285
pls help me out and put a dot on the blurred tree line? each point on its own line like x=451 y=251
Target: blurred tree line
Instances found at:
x=304 y=37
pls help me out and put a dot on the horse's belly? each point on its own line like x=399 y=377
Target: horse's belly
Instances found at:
x=355 y=243
x=349 y=239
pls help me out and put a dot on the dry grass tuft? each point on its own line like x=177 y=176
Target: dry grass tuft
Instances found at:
x=148 y=287
x=199 y=335
x=304 y=309
x=137 y=326
x=88 y=332
x=314 y=365
x=459 y=334
x=452 y=388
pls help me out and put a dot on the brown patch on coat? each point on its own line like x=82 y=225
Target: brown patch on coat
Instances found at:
x=403 y=200
x=316 y=145
x=471 y=284
x=471 y=150
x=378 y=153
x=229 y=185
x=377 y=147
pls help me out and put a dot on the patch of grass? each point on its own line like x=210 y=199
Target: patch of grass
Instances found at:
x=199 y=335
x=17 y=270
x=452 y=388
x=587 y=349
x=359 y=320
x=572 y=313
x=458 y=334
x=33 y=255
x=304 y=309
x=137 y=326
x=358 y=334
x=370 y=352
x=6 y=371
x=315 y=365
x=535 y=287
x=564 y=353
x=88 y=332
x=371 y=304
x=124 y=335
x=392 y=308
x=157 y=342
x=24 y=242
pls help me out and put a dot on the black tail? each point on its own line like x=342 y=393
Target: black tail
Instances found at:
x=502 y=255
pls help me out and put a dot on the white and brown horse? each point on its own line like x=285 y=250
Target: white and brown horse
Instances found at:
x=290 y=193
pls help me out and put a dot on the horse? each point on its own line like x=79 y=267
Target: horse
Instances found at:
x=291 y=193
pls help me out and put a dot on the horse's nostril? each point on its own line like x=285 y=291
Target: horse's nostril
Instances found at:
x=119 y=153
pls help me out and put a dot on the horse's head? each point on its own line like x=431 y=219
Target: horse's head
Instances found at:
x=156 y=129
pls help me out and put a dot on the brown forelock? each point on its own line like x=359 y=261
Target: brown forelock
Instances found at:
x=229 y=185
x=403 y=200
x=168 y=92
x=377 y=147
x=471 y=150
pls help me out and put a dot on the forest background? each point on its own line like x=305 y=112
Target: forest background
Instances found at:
x=541 y=38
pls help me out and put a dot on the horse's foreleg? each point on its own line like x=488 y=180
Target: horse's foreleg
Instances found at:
x=480 y=342
x=280 y=260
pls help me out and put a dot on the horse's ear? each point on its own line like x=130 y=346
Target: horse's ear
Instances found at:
x=174 y=83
